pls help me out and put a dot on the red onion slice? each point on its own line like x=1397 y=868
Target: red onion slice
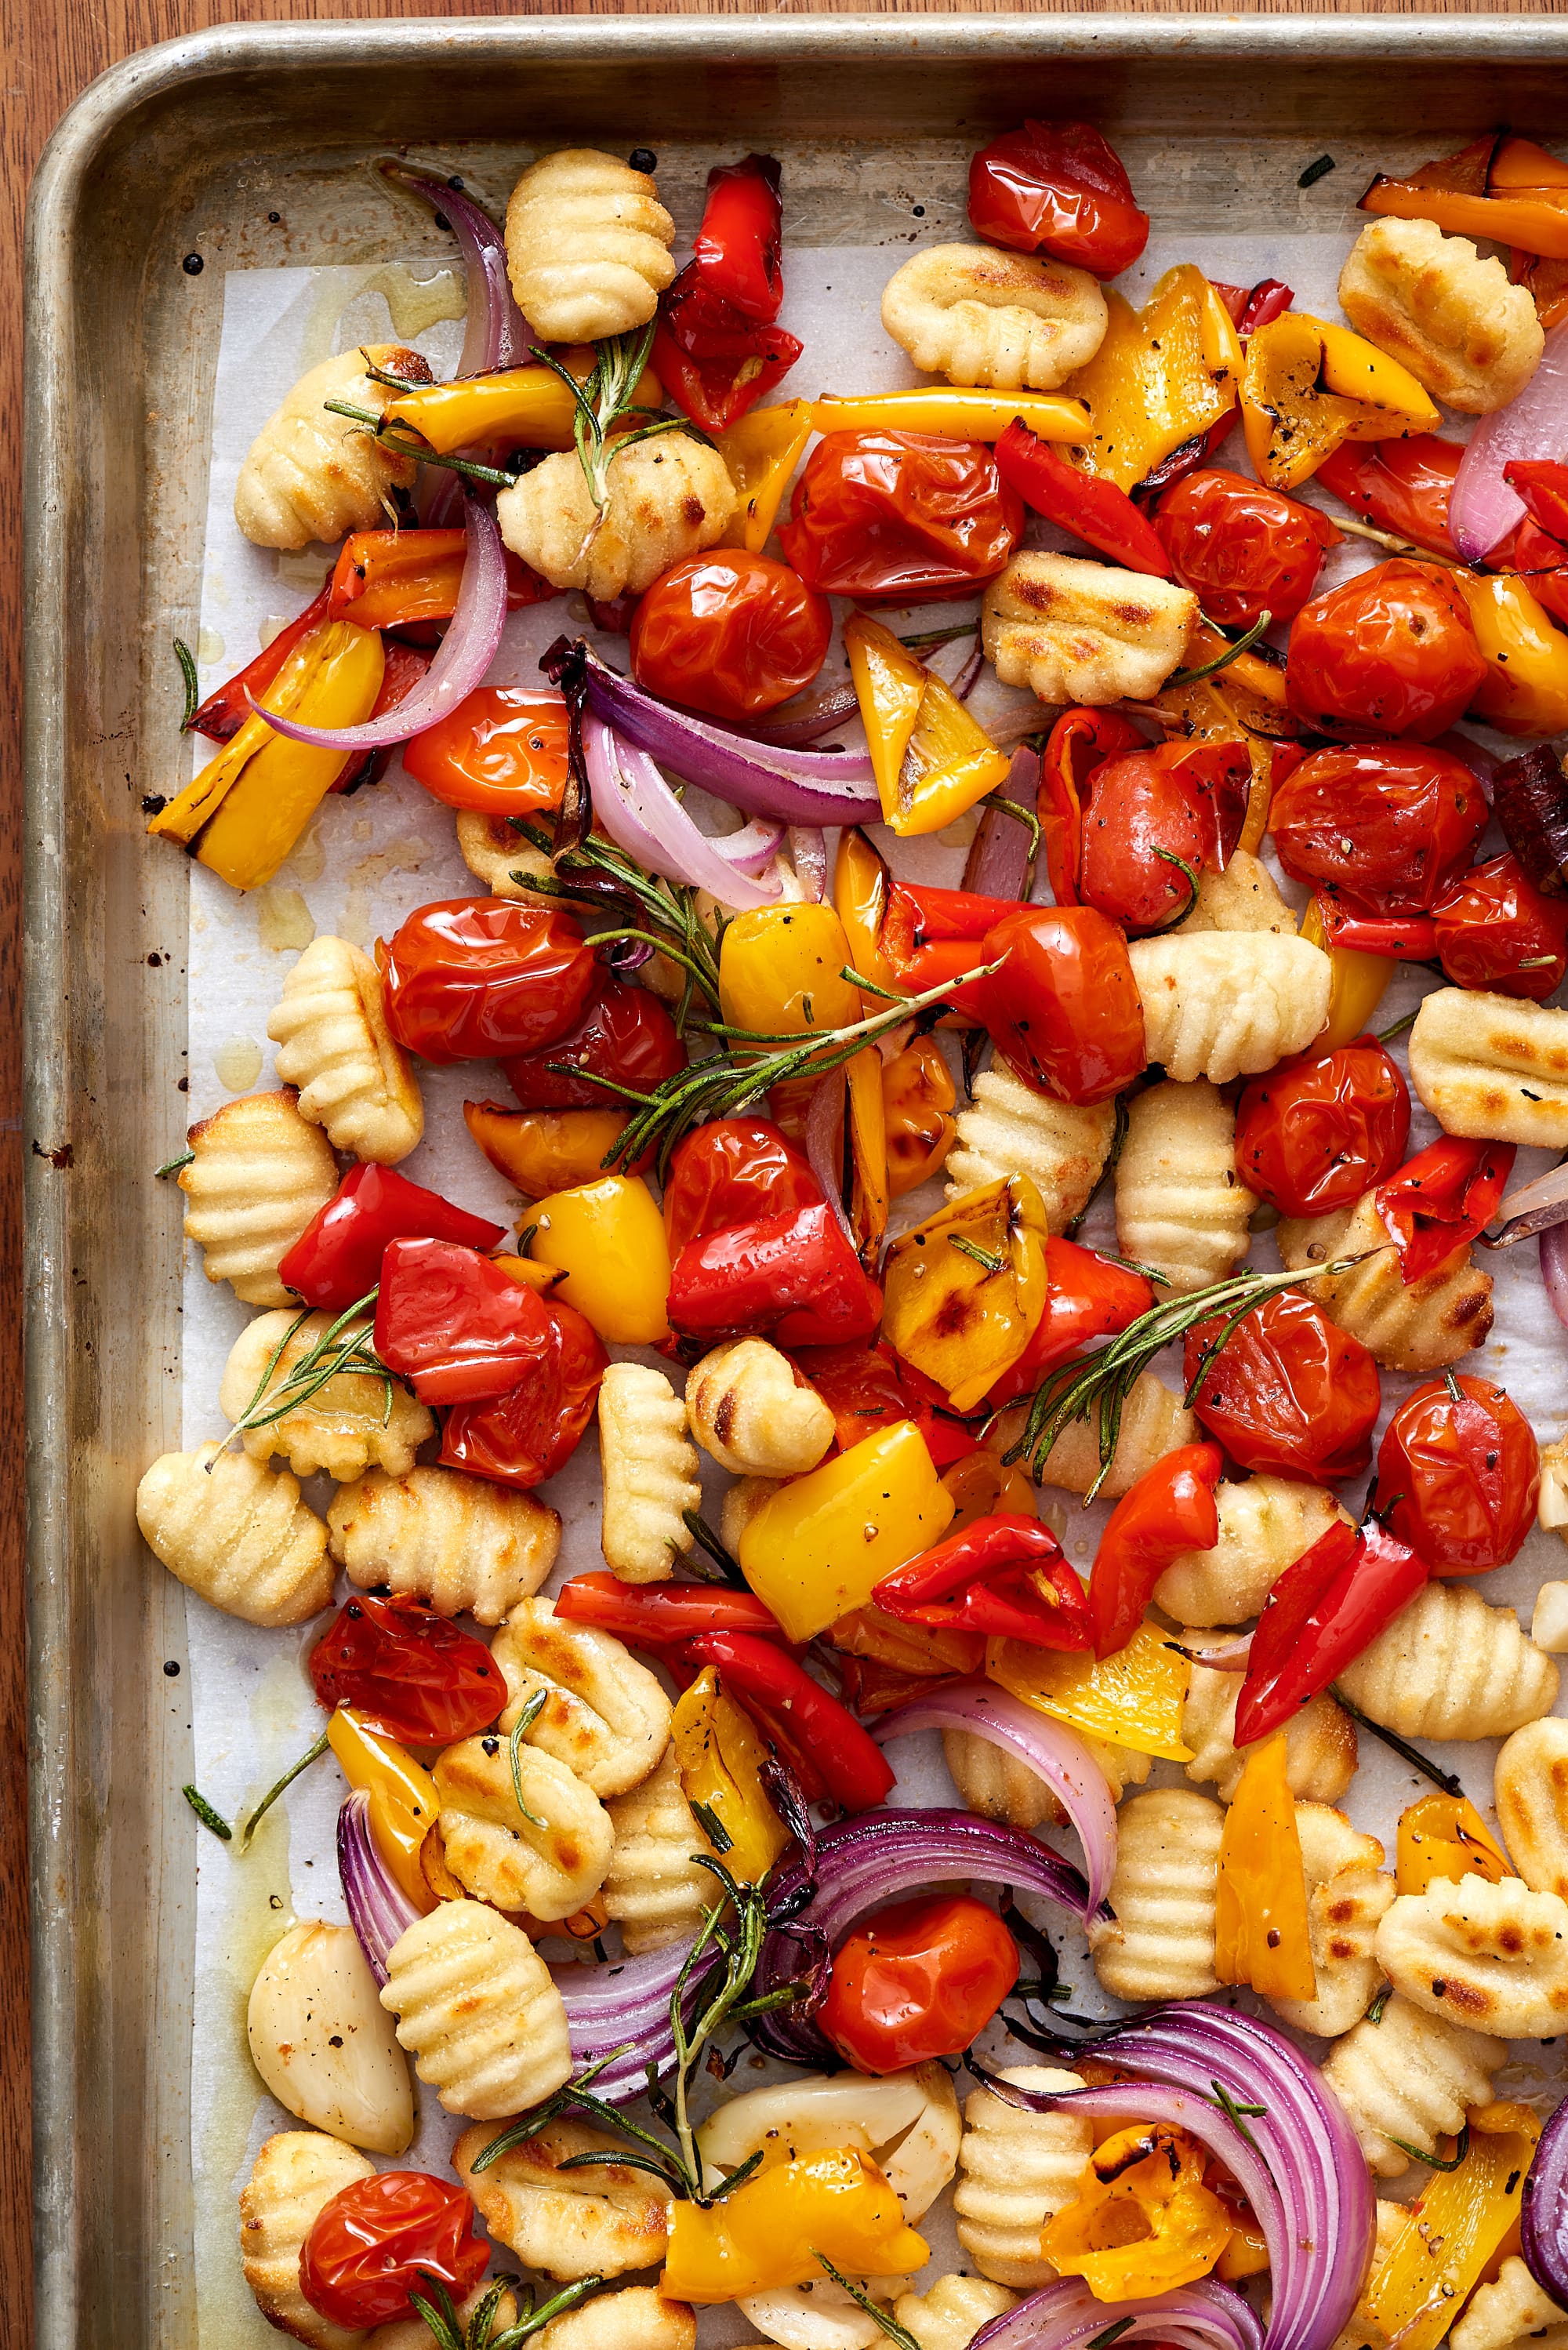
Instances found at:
x=1050 y=1749
x=1205 y=2316
x=823 y=1147
x=1554 y=1270
x=1543 y=2213
x=838 y=705
x=623 y=2004
x=462 y=662
x=643 y=816
x=998 y=863
x=1482 y=508
x=379 y=1909
x=495 y=332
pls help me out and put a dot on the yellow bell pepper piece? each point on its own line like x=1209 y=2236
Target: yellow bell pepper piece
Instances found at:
x=956 y=415
x=762 y=452
x=1261 y=1904
x=1456 y=2225
x=861 y=887
x=868 y=1151
x=931 y=759
x=816 y=1547
x=1357 y=983
x=780 y=973
x=1526 y=691
x=529 y=406
x=404 y=1804
x=1133 y=1699
x=964 y=1291
x=720 y=1757
x=1444 y=1837
x=1142 y=2221
x=529 y=1275
x=891 y=684
x=608 y=1239
x=1308 y=386
x=769 y=2233
x=1161 y=375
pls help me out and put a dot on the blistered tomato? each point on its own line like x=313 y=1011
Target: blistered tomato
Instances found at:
x=1458 y=1470
x=1383 y=828
x=1495 y=931
x=626 y=1034
x=1063 y=1010
x=369 y=2248
x=525 y=1436
x=1153 y=822
x=1057 y=188
x=1320 y=1130
x=409 y=1672
x=502 y=751
x=918 y=1981
x=731 y=633
x=1392 y=651
x=906 y=517
x=1288 y=1391
x=1247 y=550
x=472 y=979
x=734 y=1170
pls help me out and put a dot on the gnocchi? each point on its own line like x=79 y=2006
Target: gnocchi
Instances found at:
x=1448 y=1665
x=460 y=1545
x=1228 y=1003
x=1180 y=1205
x=311 y=474
x=1529 y=1788
x=477 y=2011
x=1320 y=1739
x=1489 y=1065
x=1492 y=1957
x=544 y=1851
x=295 y=2174
x=346 y=1426
x=649 y=1465
x=667 y=498
x=1074 y=631
x=653 y=1888
x=566 y=2224
x=1511 y=2308
x=1018 y=2169
x=1454 y=320
x=1265 y=1524
x=354 y=1079
x=605 y=1716
x=1013 y=1130
x=237 y=1533
x=1159 y=1942
x=1154 y=1421
x=980 y=316
x=259 y=1173
x=1347 y=1897
x=587 y=246
x=748 y=1410
x=1242 y=896
x=950 y=2315
x=1408 y=2079
x=1420 y=1327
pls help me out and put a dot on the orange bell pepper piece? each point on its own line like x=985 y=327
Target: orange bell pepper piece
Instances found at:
x=918 y=1100
x=762 y=452
x=1445 y=1837
x=544 y=1150
x=1260 y=1908
x=1506 y=189
x=1143 y=2221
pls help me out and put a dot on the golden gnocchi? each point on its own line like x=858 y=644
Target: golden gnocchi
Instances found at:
x=1154 y=1421
x=669 y=497
x=1348 y=1895
x=1319 y=1738
x=1450 y=1667
x=334 y=1043
x=462 y=1545
x=587 y=246
x=310 y=474
x=1180 y=1205
x=1159 y=1943
x=950 y=2315
x=1511 y=2308
x=653 y=1889
x=477 y=2011
x=1489 y=1065
x=605 y=1716
x=981 y=316
x=1491 y=1957
x=1265 y=1524
x=1530 y=1789
x=638 y=2317
x=496 y=853
x=566 y=2224
x=545 y=1854
x=748 y=1410
x=1018 y=2169
x=1421 y=1326
x=1228 y=1003
x=344 y=1428
x=1074 y=631
x=259 y=1173
x=1242 y=896
x=649 y=1465
x=1453 y=319
x=1013 y=1130
x=295 y=2174
x=1408 y=2079
x=237 y=1533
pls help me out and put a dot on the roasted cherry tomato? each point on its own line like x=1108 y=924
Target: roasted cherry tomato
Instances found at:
x=1154 y=821
x=1403 y=486
x=1440 y=1199
x=454 y=1323
x=1392 y=651
x=1459 y=1469
x=1079 y=744
x=866 y=1389
x=627 y=1035
x=1381 y=828
x=1088 y=1296
x=916 y=1981
x=1288 y=1391
x=1247 y=550
x=734 y=1170
x=729 y=633
x=1319 y=1130
x=524 y=1436
x=1064 y=1012
x=906 y=517
x=472 y=979
x=413 y=1674
x=1057 y=188
x=502 y=751
x=1496 y=930
x=369 y=2247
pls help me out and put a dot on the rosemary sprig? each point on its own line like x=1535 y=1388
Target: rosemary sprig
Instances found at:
x=714 y=1828
x=989 y=1258
x=1103 y=1381
x=206 y=1815
x=1395 y=1027
x=312 y=1754
x=1179 y=913
x=187 y=661
x=1234 y=651
x=667 y=912
x=862 y=2299
x=602 y=400
x=1110 y=2333
x=405 y=444
x=702 y=1533
x=448 y=2329
x=1374 y=2012
x=173 y=1166
x=1233 y=2113
x=1437 y=2161
x=520 y=1729
x=346 y=1345
x=1400 y=1746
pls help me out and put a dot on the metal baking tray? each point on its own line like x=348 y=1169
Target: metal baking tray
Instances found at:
x=247 y=146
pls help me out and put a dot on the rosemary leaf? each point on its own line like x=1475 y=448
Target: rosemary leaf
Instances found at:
x=173 y=1166
x=1437 y=2161
x=1232 y=651
x=312 y=1754
x=206 y=1815
x=712 y=1827
x=1400 y=1746
x=524 y=1722
x=862 y=2299
x=187 y=661
x=983 y=1256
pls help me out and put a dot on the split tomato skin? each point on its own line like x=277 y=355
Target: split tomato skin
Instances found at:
x=918 y=1981
x=1151 y=813
x=1246 y=549
x=414 y=1675
x=1381 y=828
x=1391 y=651
x=729 y=633
x=526 y=1435
x=1317 y=1132
x=1063 y=1010
x=1057 y=188
x=1495 y=931
x=1458 y=1475
x=478 y=979
x=904 y=517
x=626 y=1034
x=366 y=2248
x=1288 y=1391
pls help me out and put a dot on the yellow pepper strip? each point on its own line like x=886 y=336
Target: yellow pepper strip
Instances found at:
x=861 y=886
x=981 y=1487
x=1308 y=386
x=1456 y=2224
x=529 y=1275
x=719 y=1756
x=1246 y=2255
x=964 y=1291
x=1445 y=1837
x=1261 y=1905
x=1162 y=374
x=1142 y=2221
x=955 y=415
x=931 y=759
x=1357 y=983
x=891 y=684
x=1526 y=690
x=918 y=1101
x=529 y=406
x=770 y=2231
x=868 y=1152
x=404 y=1804
x=762 y=452
x=816 y=1547
x=608 y=1239
x=1133 y=1699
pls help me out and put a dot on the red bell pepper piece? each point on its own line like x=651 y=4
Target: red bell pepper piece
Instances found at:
x=1544 y=562
x=452 y=1324
x=1407 y=938
x=766 y=1679
x=1322 y=1612
x=1088 y=1296
x=228 y=706
x=337 y=1257
x=933 y=937
x=795 y=1274
x=1080 y=741
x=1097 y=512
x=662 y=1615
x=1003 y=1575
x=1403 y=486
x=1441 y=1198
x=1169 y=1510
x=399 y=578
x=716 y=349
x=524 y=1436
x=1542 y=483
x=737 y=251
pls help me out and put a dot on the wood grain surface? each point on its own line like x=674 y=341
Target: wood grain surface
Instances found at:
x=53 y=49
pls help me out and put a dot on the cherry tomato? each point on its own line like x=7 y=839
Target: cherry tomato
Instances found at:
x=524 y=1436
x=472 y=979
x=627 y=1035
x=1288 y=1391
x=729 y=633
x=1064 y=1012
x=413 y=1674
x=1496 y=930
x=734 y=1170
x=502 y=751
x=1392 y=651
x=1247 y=550
x=866 y=1389
x=367 y=2247
x=1403 y=486
x=918 y=1981
x=1087 y=1298
x=455 y=1325
x=1319 y=1130
x=1382 y=828
x=1057 y=188
x=903 y=515
x=1459 y=1469
x=1153 y=821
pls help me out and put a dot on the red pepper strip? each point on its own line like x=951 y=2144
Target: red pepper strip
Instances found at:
x=1087 y=1298
x=1322 y=1613
x=932 y=936
x=1408 y=938
x=794 y=1274
x=403 y=668
x=1080 y=741
x=228 y=707
x=737 y=249
x=1403 y=486
x=452 y=1324
x=662 y=1615
x=1097 y=512
x=1441 y=1198
x=714 y=361
x=852 y=1767
x=337 y=1257
x=394 y=579
x=1269 y=299
x=1544 y=562
x=1542 y=483
x=1169 y=1510
x=1002 y=1576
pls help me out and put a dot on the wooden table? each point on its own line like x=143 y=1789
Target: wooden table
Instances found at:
x=56 y=49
